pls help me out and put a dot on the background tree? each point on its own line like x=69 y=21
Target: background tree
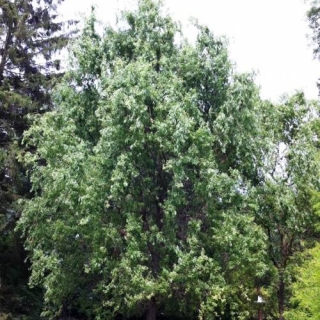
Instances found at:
x=30 y=36
x=142 y=199
x=305 y=300
x=284 y=196
x=313 y=17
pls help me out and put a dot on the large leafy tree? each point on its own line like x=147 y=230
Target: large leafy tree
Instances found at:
x=30 y=37
x=142 y=175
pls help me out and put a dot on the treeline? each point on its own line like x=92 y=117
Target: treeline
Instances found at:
x=153 y=182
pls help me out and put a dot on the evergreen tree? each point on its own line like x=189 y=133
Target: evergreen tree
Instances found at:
x=30 y=38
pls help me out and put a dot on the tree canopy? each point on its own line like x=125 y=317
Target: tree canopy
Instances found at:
x=142 y=201
x=164 y=186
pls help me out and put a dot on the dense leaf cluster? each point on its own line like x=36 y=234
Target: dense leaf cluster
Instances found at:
x=143 y=198
x=163 y=185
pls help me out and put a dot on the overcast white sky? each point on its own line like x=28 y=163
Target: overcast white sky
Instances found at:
x=267 y=36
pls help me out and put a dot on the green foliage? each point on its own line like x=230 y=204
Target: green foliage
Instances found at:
x=306 y=289
x=163 y=183
x=313 y=17
x=284 y=198
x=30 y=36
x=142 y=175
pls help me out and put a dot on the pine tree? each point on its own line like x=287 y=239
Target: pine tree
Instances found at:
x=30 y=38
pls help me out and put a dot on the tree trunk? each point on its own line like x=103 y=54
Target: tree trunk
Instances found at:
x=151 y=313
x=281 y=295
